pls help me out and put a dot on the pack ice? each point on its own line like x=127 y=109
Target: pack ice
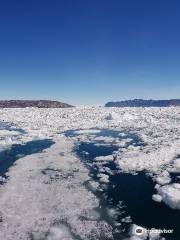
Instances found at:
x=47 y=190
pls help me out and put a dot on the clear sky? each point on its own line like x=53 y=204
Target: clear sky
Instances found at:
x=89 y=51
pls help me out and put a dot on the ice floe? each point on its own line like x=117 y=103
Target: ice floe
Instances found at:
x=163 y=178
x=103 y=178
x=170 y=195
x=105 y=158
x=157 y=197
x=87 y=131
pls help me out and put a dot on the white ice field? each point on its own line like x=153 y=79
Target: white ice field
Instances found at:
x=57 y=205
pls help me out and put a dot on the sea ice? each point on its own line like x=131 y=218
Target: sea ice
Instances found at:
x=170 y=195
x=87 y=131
x=60 y=193
x=105 y=158
x=45 y=189
x=157 y=197
x=103 y=178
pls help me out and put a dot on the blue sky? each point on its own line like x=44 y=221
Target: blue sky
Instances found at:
x=89 y=51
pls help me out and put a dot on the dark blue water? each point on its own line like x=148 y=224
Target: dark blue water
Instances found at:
x=175 y=177
x=10 y=127
x=9 y=157
x=134 y=191
x=109 y=133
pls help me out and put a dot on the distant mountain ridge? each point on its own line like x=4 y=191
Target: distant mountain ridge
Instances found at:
x=144 y=103
x=32 y=103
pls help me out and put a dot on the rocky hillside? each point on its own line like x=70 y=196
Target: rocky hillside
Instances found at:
x=144 y=103
x=33 y=103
